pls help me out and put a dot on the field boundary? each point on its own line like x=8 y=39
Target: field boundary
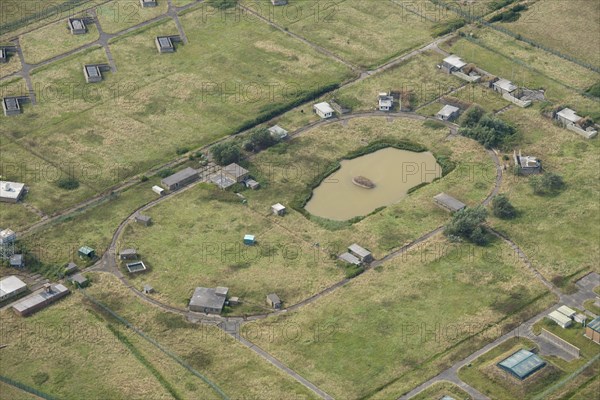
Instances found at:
x=26 y=388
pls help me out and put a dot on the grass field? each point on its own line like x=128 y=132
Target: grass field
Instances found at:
x=441 y=389
x=561 y=25
x=52 y=40
x=549 y=228
x=397 y=325
x=239 y=372
x=486 y=377
x=13 y=65
x=119 y=15
x=206 y=227
x=364 y=33
x=10 y=392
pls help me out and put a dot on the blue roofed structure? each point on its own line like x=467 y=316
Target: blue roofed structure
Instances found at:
x=522 y=364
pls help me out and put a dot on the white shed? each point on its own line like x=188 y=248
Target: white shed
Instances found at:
x=278 y=209
x=158 y=190
x=561 y=319
x=323 y=110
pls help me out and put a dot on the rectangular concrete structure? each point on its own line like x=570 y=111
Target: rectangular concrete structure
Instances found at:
x=323 y=110
x=11 y=106
x=77 y=26
x=148 y=3
x=448 y=113
x=37 y=301
x=561 y=319
x=180 y=179
x=274 y=301
x=164 y=44
x=10 y=287
x=208 y=300
x=92 y=73
x=361 y=253
x=448 y=202
x=11 y=192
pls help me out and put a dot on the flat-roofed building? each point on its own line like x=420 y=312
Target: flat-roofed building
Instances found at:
x=448 y=113
x=236 y=172
x=452 y=63
x=561 y=319
x=567 y=311
x=278 y=132
x=349 y=258
x=278 y=209
x=7 y=236
x=16 y=261
x=361 y=253
x=11 y=192
x=164 y=44
x=503 y=86
x=40 y=299
x=323 y=110
x=274 y=301
x=10 y=287
x=79 y=280
x=3 y=55
x=448 y=202
x=180 y=179
x=385 y=102
x=208 y=300
x=92 y=73
x=148 y=3
x=527 y=165
x=77 y=26
x=128 y=254
x=592 y=330
x=522 y=364
x=11 y=106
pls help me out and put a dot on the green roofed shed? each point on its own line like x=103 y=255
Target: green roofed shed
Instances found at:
x=522 y=364
x=249 y=240
x=87 y=251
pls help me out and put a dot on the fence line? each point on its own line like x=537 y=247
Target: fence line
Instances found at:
x=26 y=388
x=157 y=345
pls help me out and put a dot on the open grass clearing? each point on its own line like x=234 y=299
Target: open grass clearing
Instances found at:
x=441 y=389
x=406 y=320
x=119 y=15
x=549 y=228
x=52 y=40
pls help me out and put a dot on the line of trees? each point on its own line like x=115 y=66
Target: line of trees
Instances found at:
x=487 y=129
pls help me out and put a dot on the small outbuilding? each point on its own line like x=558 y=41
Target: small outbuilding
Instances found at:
x=92 y=73
x=7 y=236
x=77 y=26
x=503 y=86
x=278 y=209
x=249 y=240
x=528 y=165
x=71 y=268
x=278 y=132
x=236 y=172
x=448 y=202
x=148 y=3
x=567 y=311
x=561 y=319
x=86 y=252
x=522 y=364
x=323 y=110
x=208 y=300
x=279 y=2
x=452 y=63
x=11 y=106
x=3 y=55
x=350 y=259
x=16 y=261
x=448 y=113
x=11 y=192
x=79 y=280
x=252 y=184
x=361 y=253
x=385 y=102
x=128 y=254
x=274 y=301
x=143 y=219
x=10 y=287
x=234 y=301
x=158 y=190
x=147 y=289
x=180 y=179
x=592 y=330
x=164 y=44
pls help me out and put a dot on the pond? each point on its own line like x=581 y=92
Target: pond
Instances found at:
x=391 y=172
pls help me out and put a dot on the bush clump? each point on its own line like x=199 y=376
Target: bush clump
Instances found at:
x=502 y=208
x=226 y=153
x=468 y=224
x=487 y=129
x=68 y=183
x=547 y=184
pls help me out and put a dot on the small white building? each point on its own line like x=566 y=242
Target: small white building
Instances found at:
x=278 y=209
x=278 y=132
x=385 y=101
x=452 y=63
x=158 y=190
x=7 y=236
x=568 y=312
x=503 y=86
x=10 y=287
x=11 y=192
x=561 y=319
x=323 y=110
x=148 y=3
x=448 y=113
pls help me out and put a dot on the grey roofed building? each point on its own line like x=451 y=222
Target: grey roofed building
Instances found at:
x=128 y=254
x=11 y=286
x=77 y=26
x=11 y=106
x=385 y=102
x=504 y=86
x=278 y=132
x=148 y=3
x=221 y=180
x=208 y=300
x=11 y=192
x=143 y=219
x=453 y=63
x=448 y=202
x=92 y=73
x=236 y=172
x=361 y=253
x=41 y=299
x=349 y=258
x=279 y=2
x=252 y=184
x=528 y=164
x=7 y=236
x=180 y=179
x=274 y=301
x=566 y=114
x=147 y=289
x=3 y=55
x=79 y=280
x=164 y=44
x=16 y=260
x=522 y=363
x=448 y=113
x=71 y=268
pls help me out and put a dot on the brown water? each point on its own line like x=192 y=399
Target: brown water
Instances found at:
x=393 y=171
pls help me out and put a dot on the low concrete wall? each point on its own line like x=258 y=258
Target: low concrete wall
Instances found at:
x=566 y=346
x=466 y=77
x=582 y=132
x=516 y=101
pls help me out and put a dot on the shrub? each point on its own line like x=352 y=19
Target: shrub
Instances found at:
x=181 y=150
x=594 y=90
x=490 y=131
x=144 y=178
x=40 y=378
x=68 y=183
x=472 y=116
x=163 y=173
x=502 y=208
x=547 y=184
x=226 y=153
x=467 y=224
x=261 y=138
x=222 y=4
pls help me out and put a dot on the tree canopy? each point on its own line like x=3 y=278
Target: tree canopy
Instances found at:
x=467 y=224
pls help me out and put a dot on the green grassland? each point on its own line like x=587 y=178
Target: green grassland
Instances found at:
x=127 y=114
x=119 y=15
x=441 y=389
x=397 y=325
x=238 y=371
x=561 y=26
x=52 y=40
x=196 y=240
x=485 y=376
x=66 y=352
x=364 y=33
x=13 y=65
x=11 y=392
x=550 y=229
